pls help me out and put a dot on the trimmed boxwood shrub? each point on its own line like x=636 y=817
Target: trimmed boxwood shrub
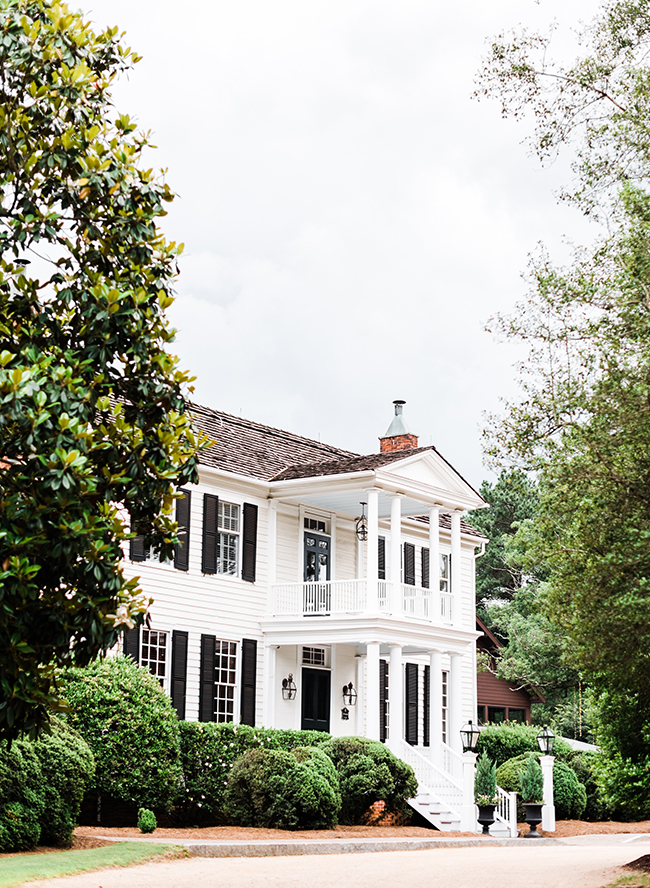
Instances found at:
x=131 y=727
x=568 y=793
x=504 y=742
x=369 y=772
x=41 y=788
x=68 y=767
x=208 y=753
x=288 y=790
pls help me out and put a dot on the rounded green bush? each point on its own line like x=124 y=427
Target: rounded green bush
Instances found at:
x=504 y=742
x=147 y=822
x=19 y=827
x=369 y=772
x=68 y=766
x=131 y=727
x=569 y=794
x=208 y=753
x=288 y=790
x=41 y=787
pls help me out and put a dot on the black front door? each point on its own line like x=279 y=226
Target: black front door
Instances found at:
x=315 y=700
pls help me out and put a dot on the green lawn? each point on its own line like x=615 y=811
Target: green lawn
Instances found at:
x=16 y=870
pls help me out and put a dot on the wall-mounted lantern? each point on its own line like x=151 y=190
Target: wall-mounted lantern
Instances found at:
x=288 y=688
x=362 y=525
x=349 y=695
x=345 y=714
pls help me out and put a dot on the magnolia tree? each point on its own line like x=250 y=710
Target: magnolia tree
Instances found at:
x=94 y=424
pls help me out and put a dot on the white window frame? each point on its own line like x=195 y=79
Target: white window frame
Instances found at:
x=234 y=685
x=229 y=532
x=145 y=641
x=327 y=656
x=444 y=581
x=445 y=705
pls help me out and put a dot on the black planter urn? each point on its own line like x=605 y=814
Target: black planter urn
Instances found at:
x=486 y=817
x=533 y=818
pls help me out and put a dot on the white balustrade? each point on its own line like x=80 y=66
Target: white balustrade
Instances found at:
x=452 y=762
x=351 y=597
x=430 y=778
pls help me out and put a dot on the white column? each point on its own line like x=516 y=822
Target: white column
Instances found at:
x=269 y=685
x=372 y=557
x=548 y=811
x=372 y=690
x=455 y=563
x=468 y=821
x=395 y=575
x=396 y=697
x=435 y=707
x=271 y=560
x=455 y=701
x=434 y=563
x=360 y=689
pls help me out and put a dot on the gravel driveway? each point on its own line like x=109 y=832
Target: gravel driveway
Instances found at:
x=582 y=862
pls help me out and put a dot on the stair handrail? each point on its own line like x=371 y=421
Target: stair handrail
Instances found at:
x=423 y=765
x=506 y=811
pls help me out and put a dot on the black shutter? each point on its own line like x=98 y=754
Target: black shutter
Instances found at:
x=411 y=734
x=132 y=644
x=248 y=676
x=250 y=545
x=179 y=671
x=381 y=559
x=137 y=551
x=210 y=533
x=427 y=705
x=383 y=699
x=182 y=548
x=206 y=689
x=409 y=564
x=425 y=568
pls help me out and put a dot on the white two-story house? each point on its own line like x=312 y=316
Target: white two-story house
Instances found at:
x=318 y=588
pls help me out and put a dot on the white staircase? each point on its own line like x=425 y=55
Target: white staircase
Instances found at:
x=442 y=796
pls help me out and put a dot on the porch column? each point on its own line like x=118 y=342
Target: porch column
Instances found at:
x=372 y=557
x=269 y=685
x=435 y=707
x=396 y=697
x=395 y=575
x=455 y=564
x=271 y=559
x=360 y=688
x=372 y=690
x=455 y=701
x=434 y=565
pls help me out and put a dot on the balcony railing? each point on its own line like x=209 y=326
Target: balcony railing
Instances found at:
x=350 y=597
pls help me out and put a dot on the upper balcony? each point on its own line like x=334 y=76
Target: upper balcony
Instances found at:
x=356 y=598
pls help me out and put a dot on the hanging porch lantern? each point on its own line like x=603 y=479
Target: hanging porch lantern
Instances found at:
x=362 y=525
x=469 y=735
x=349 y=695
x=288 y=688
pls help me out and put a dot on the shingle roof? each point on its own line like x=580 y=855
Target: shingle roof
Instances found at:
x=259 y=451
x=445 y=521
x=343 y=466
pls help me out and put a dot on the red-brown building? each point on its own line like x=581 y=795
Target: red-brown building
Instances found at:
x=498 y=700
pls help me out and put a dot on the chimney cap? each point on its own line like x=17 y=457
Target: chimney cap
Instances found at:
x=398 y=425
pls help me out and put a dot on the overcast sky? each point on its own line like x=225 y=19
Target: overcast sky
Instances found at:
x=351 y=217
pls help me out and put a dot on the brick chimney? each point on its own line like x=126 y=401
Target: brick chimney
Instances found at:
x=398 y=435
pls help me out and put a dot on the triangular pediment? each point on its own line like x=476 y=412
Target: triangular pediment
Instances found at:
x=431 y=469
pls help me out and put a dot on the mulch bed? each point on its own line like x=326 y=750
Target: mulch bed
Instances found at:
x=79 y=843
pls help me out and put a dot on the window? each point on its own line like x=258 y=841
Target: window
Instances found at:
x=517 y=715
x=153 y=653
x=445 y=705
x=228 y=539
x=316 y=524
x=315 y=656
x=496 y=715
x=444 y=573
x=225 y=673
x=480 y=714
